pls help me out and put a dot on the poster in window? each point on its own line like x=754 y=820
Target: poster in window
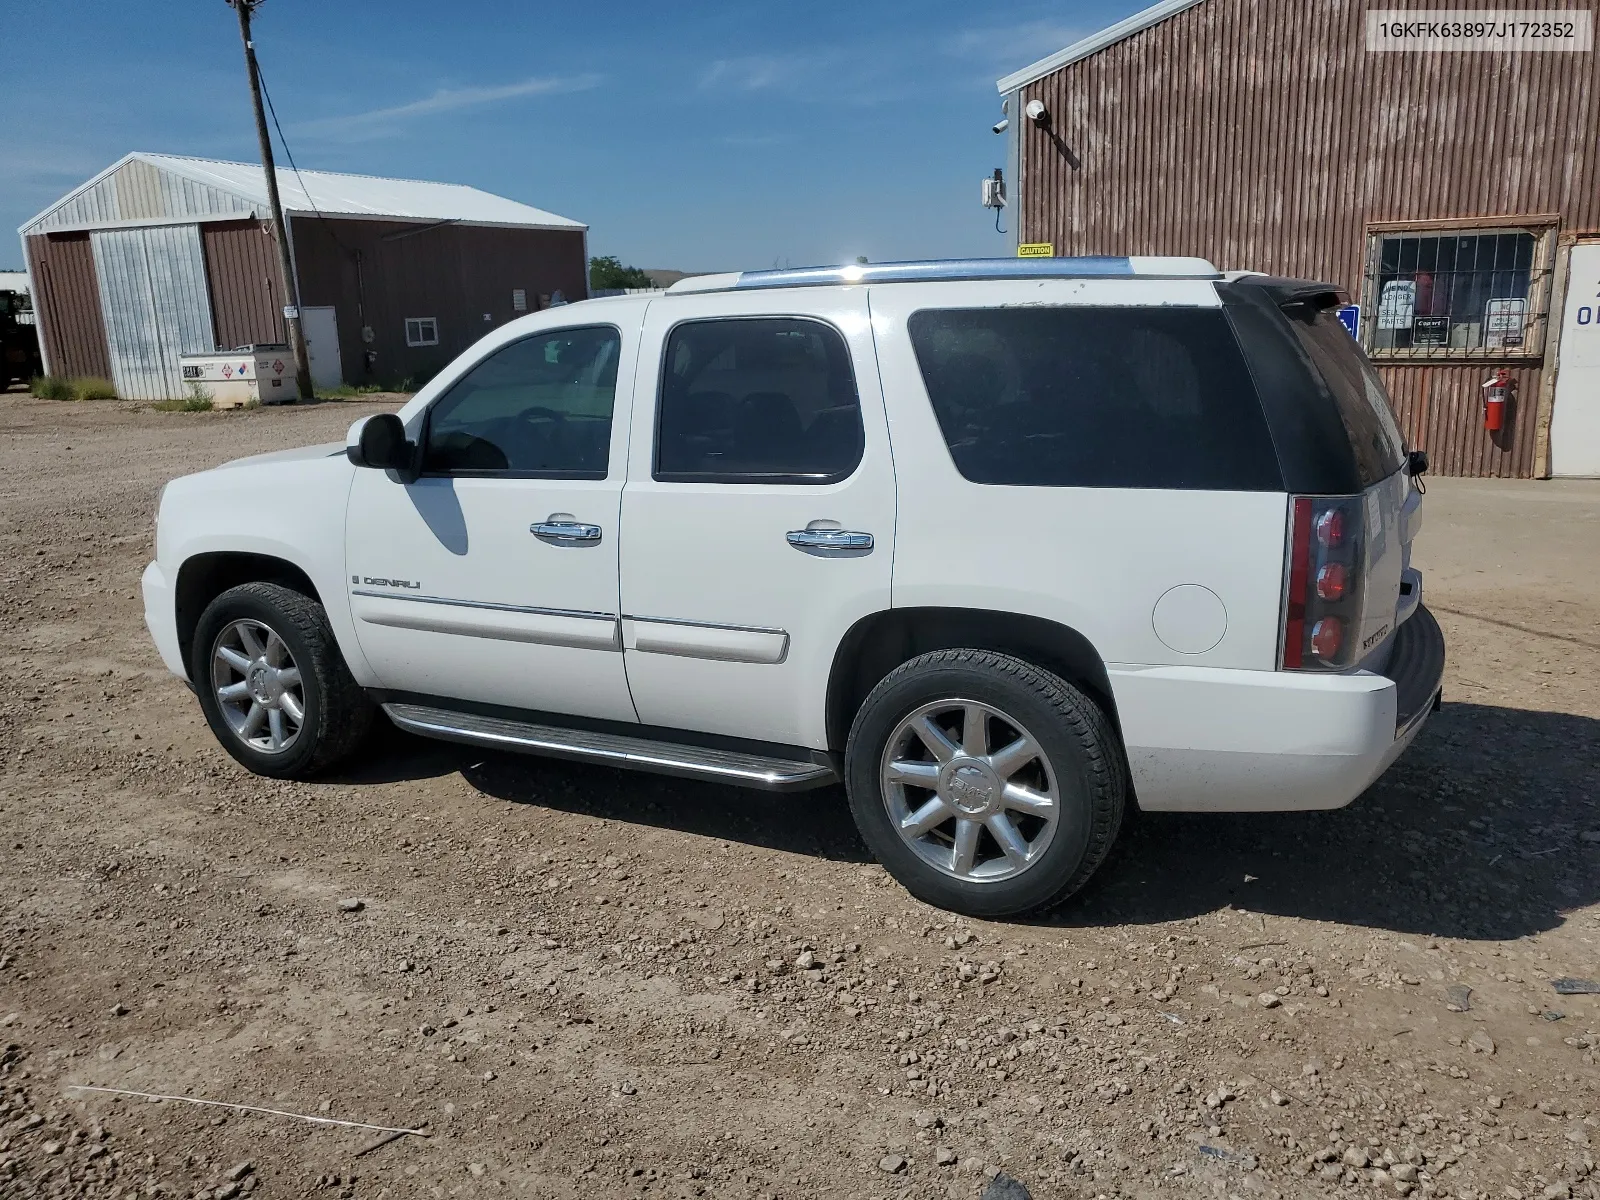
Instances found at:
x=1502 y=321
x=1430 y=331
x=1397 y=304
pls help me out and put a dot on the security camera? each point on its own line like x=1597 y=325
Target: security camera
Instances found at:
x=1002 y=125
x=1037 y=112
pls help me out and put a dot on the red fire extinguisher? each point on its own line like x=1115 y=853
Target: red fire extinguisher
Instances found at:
x=1496 y=390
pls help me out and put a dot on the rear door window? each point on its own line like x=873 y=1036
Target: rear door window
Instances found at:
x=1095 y=397
x=1359 y=394
x=757 y=400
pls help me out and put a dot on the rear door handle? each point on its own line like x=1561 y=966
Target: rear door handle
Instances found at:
x=566 y=531
x=829 y=539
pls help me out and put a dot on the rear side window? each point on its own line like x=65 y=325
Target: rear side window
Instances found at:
x=1095 y=397
x=1359 y=394
x=757 y=400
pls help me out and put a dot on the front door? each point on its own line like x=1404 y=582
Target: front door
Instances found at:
x=758 y=518
x=1575 y=421
x=493 y=577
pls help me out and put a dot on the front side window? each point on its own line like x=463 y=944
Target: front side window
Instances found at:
x=539 y=407
x=1095 y=397
x=757 y=400
x=1447 y=293
x=422 y=331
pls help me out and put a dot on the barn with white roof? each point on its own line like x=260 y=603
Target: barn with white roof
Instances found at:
x=160 y=255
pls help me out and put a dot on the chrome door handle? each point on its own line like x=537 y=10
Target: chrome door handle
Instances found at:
x=566 y=531
x=829 y=539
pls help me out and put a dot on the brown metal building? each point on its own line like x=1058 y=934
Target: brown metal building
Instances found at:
x=159 y=256
x=1444 y=191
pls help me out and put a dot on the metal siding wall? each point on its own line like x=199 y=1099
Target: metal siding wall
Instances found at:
x=140 y=191
x=153 y=294
x=98 y=205
x=247 y=293
x=455 y=273
x=68 y=304
x=139 y=195
x=1263 y=135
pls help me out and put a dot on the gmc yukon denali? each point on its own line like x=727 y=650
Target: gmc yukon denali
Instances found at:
x=1002 y=546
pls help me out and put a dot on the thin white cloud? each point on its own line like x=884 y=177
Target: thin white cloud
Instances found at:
x=380 y=120
x=755 y=72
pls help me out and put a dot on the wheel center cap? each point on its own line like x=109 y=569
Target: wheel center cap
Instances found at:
x=260 y=680
x=970 y=787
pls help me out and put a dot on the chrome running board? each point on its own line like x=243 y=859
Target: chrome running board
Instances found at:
x=610 y=749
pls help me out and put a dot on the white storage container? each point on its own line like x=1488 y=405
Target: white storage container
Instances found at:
x=263 y=374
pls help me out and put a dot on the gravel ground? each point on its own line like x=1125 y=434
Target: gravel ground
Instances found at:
x=586 y=983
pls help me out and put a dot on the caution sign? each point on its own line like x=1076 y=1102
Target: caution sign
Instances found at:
x=1036 y=250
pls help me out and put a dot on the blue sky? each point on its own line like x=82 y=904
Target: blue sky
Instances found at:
x=699 y=136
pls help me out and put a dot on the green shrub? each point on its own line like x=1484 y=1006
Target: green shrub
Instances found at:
x=88 y=387
x=48 y=387
x=198 y=400
x=92 y=387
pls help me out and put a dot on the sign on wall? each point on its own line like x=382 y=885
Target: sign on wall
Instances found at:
x=1036 y=250
x=1502 y=321
x=1430 y=331
x=1350 y=317
x=1397 y=304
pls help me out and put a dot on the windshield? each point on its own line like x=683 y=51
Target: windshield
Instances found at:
x=1362 y=399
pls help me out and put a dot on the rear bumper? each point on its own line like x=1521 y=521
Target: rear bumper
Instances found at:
x=1209 y=740
x=161 y=617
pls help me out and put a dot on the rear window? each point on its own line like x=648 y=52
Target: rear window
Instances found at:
x=1359 y=394
x=1095 y=397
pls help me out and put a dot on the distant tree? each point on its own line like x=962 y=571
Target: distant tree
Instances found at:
x=607 y=272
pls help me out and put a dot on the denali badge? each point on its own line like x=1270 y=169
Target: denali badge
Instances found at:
x=1375 y=638
x=391 y=583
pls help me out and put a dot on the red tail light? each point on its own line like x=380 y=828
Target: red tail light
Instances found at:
x=1323 y=583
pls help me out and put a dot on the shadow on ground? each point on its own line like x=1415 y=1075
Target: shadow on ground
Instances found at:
x=1474 y=833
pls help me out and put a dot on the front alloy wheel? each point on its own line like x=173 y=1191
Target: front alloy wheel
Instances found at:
x=258 y=686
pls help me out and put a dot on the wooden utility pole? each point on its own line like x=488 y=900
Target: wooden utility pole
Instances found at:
x=291 y=310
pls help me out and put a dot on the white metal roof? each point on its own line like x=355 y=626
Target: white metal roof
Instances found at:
x=1095 y=43
x=366 y=195
x=232 y=186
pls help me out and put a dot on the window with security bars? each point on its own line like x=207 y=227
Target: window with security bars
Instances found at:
x=1456 y=293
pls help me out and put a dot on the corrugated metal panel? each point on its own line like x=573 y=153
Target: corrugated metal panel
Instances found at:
x=153 y=294
x=71 y=331
x=454 y=273
x=247 y=293
x=184 y=197
x=97 y=205
x=139 y=195
x=1440 y=408
x=1263 y=135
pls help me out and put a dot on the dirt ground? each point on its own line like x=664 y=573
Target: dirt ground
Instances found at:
x=587 y=983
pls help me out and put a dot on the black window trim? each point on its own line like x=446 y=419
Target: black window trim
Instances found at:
x=749 y=478
x=475 y=473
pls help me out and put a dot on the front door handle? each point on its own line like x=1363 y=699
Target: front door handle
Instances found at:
x=562 y=528
x=829 y=539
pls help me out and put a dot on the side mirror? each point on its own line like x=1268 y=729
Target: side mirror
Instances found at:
x=380 y=442
x=1417 y=463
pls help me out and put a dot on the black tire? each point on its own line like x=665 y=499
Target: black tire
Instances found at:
x=1078 y=741
x=337 y=712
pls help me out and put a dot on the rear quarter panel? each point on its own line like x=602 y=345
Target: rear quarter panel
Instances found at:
x=1097 y=560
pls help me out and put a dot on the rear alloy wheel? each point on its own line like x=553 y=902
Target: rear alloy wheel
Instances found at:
x=272 y=683
x=969 y=790
x=983 y=783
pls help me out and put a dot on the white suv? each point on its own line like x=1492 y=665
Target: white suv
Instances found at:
x=1000 y=545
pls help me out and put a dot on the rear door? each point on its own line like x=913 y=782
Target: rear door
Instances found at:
x=758 y=520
